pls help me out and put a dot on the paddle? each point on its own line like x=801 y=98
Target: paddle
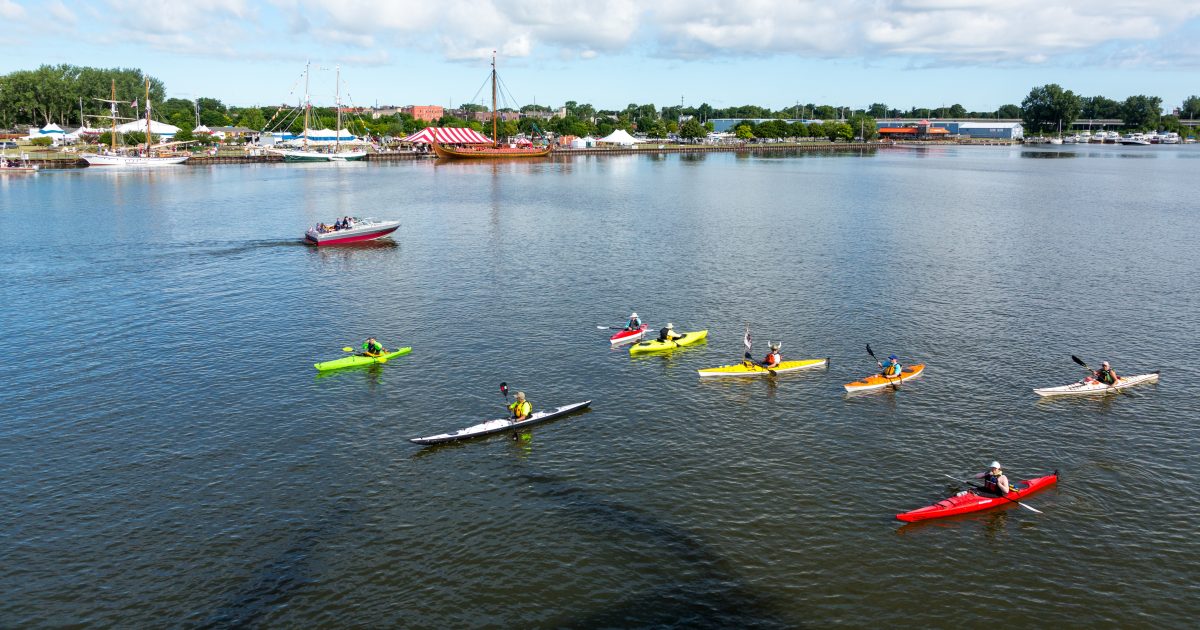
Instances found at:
x=1031 y=509
x=1085 y=366
x=895 y=386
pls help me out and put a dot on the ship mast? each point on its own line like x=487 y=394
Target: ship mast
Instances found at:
x=337 y=134
x=112 y=137
x=495 y=135
x=147 y=117
x=307 y=105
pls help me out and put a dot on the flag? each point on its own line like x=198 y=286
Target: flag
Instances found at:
x=134 y=103
x=748 y=343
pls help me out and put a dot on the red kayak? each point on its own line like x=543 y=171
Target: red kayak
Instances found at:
x=974 y=501
x=626 y=336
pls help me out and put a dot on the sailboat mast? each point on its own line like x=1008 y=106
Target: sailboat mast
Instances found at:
x=337 y=134
x=495 y=137
x=112 y=108
x=307 y=105
x=147 y=117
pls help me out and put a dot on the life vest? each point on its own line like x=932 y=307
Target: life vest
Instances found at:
x=991 y=483
x=633 y=324
x=892 y=368
x=773 y=359
x=373 y=348
x=521 y=408
x=1106 y=376
x=664 y=334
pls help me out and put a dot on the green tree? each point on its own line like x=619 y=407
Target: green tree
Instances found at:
x=1191 y=108
x=251 y=118
x=957 y=111
x=691 y=129
x=1008 y=111
x=184 y=135
x=1141 y=112
x=864 y=126
x=1099 y=107
x=1048 y=106
x=878 y=110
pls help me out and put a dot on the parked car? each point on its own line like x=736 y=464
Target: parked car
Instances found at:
x=8 y=144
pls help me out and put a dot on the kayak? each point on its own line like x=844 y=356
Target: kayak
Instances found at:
x=974 y=500
x=628 y=336
x=358 y=359
x=501 y=425
x=876 y=381
x=655 y=345
x=746 y=368
x=1092 y=386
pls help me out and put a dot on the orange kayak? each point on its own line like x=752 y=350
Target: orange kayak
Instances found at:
x=876 y=381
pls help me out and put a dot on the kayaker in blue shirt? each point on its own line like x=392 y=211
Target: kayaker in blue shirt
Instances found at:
x=372 y=348
x=890 y=368
x=1105 y=374
x=634 y=323
x=668 y=333
x=520 y=407
x=994 y=480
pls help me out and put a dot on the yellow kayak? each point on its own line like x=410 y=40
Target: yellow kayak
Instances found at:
x=658 y=346
x=745 y=368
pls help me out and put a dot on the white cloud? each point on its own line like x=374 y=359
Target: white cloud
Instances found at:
x=61 y=13
x=10 y=10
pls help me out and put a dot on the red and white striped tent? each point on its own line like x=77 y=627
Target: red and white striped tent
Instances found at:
x=448 y=135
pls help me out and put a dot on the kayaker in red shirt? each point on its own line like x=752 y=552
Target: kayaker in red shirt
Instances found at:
x=773 y=359
x=994 y=480
x=1105 y=374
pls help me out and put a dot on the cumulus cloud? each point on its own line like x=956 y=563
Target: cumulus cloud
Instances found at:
x=10 y=10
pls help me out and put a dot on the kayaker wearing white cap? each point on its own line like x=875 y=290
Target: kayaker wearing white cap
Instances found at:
x=1105 y=374
x=668 y=333
x=994 y=480
x=634 y=323
x=520 y=407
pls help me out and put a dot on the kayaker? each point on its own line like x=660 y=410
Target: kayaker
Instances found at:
x=372 y=348
x=773 y=359
x=1105 y=374
x=668 y=333
x=634 y=323
x=994 y=480
x=520 y=407
x=890 y=368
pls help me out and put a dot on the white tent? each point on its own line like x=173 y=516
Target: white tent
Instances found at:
x=202 y=129
x=52 y=131
x=162 y=130
x=74 y=136
x=621 y=137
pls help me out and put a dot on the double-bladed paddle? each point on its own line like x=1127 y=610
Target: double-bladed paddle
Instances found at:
x=969 y=483
x=1085 y=366
x=895 y=385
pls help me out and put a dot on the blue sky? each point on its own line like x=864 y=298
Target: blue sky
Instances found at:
x=981 y=54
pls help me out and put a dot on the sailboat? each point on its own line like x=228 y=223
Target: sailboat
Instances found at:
x=305 y=154
x=497 y=150
x=141 y=158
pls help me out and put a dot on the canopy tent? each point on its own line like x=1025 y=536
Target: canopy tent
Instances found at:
x=51 y=130
x=202 y=129
x=447 y=135
x=157 y=128
x=80 y=133
x=329 y=135
x=621 y=137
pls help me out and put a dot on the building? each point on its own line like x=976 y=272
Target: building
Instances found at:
x=992 y=130
x=921 y=130
x=428 y=113
x=504 y=116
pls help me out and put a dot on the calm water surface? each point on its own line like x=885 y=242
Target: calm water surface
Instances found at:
x=170 y=458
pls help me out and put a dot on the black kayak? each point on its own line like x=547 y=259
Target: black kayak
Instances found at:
x=491 y=427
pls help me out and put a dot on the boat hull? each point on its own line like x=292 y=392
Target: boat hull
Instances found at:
x=489 y=153
x=501 y=425
x=353 y=235
x=132 y=161
x=654 y=345
x=359 y=359
x=1094 y=388
x=747 y=369
x=975 y=502
x=628 y=336
x=876 y=381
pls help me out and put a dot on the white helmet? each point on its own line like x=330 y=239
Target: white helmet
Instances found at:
x=996 y=465
x=670 y=326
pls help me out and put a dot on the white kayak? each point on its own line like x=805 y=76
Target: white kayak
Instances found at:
x=501 y=425
x=1091 y=386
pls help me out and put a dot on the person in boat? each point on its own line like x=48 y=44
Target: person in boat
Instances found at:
x=372 y=348
x=634 y=323
x=1105 y=374
x=520 y=407
x=668 y=333
x=890 y=368
x=994 y=480
x=339 y=224
x=773 y=358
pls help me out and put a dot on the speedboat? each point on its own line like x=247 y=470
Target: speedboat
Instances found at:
x=12 y=166
x=358 y=231
x=1135 y=139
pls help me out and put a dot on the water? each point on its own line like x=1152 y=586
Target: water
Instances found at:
x=170 y=457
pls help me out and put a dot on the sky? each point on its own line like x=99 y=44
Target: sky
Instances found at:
x=904 y=53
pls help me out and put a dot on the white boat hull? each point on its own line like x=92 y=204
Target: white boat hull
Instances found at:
x=132 y=160
x=1090 y=387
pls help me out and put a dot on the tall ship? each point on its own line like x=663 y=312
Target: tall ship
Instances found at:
x=144 y=155
x=495 y=152
x=304 y=153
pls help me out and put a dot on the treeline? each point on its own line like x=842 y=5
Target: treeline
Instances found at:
x=1049 y=107
x=57 y=94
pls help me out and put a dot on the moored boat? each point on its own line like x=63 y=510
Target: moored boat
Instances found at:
x=876 y=381
x=142 y=158
x=975 y=501
x=1090 y=386
x=748 y=368
x=501 y=425
x=8 y=166
x=497 y=150
x=360 y=230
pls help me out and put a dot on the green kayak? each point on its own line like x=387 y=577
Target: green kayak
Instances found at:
x=358 y=359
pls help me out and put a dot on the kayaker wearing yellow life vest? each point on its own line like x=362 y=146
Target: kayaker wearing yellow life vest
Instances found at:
x=994 y=480
x=1105 y=374
x=520 y=407
x=373 y=348
x=668 y=333
x=890 y=368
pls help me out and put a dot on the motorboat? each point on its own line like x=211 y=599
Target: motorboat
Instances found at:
x=356 y=231
x=1135 y=139
x=10 y=166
